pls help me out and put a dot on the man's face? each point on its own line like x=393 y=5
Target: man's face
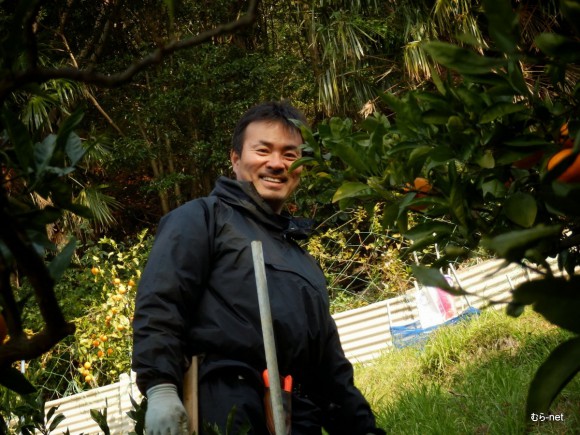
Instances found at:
x=268 y=151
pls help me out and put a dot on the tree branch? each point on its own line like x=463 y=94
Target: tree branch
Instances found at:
x=41 y=75
x=56 y=327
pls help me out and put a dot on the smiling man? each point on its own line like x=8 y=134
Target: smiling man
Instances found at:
x=268 y=150
x=197 y=296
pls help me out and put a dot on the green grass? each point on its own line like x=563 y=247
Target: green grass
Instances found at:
x=470 y=378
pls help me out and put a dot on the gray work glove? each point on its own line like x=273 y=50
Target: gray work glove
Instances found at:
x=165 y=413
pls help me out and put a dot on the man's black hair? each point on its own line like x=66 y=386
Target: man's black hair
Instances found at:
x=271 y=111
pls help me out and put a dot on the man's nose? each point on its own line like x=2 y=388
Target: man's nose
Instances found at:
x=276 y=162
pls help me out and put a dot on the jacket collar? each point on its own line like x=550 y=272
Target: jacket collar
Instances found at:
x=243 y=195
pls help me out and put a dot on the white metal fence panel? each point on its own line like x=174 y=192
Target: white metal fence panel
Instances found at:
x=114 y=397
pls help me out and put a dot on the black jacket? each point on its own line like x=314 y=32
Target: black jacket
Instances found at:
x=197 y=295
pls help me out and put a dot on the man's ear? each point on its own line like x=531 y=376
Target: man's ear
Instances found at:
x=234 y=159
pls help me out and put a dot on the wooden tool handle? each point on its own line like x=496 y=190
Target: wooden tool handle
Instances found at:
x=190 y=400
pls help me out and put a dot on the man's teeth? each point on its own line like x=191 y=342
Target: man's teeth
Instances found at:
x=273 y=180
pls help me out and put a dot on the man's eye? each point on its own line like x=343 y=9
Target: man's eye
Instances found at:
x=291 y=156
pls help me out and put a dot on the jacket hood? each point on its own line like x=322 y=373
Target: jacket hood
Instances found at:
x=243 y=195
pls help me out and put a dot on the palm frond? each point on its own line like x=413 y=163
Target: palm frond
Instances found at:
x=100 y=204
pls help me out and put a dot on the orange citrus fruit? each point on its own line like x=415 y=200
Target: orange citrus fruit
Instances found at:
x=96 y=343
x=572 y=173
x=87 y=365
x=95 y=270
x=422 y=187
x=565 y=140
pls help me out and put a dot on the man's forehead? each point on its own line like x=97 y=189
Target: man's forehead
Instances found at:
x=263 y=129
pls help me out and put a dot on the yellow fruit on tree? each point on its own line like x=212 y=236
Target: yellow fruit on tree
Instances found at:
x=131 y=283
x=96 y=343
x=87 y=365
x=104 y=338
x=116 y=281
x=88 y=378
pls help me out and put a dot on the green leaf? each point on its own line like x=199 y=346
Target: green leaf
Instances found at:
x=521 y=208
x=503 y=24
x=429 y=230
x=170 y=5
x=390 y=215
x=43 y=152
x=75 y=149
x=494 y=188
x=350 y=156
x=472 y=100
x=309 y=139
x=12 y=379
x=300 y=162
x=437 y=79
x=498 y=110
x=516 y=77
x=570 y=9
x=434 y=117
x=58 y=419
x=562 y=198
x=561 y=48
x=19 y=137
x=457 y=205
x=60 y=263
x=101 y=419
x=486 y=160
x=434 y=278
x=557 y=299
x=513 y=245
x=351 y=189
x=430 y=277
x=461 y=59
x=553 y=375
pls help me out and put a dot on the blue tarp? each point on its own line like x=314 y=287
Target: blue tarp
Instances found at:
x=411 y=334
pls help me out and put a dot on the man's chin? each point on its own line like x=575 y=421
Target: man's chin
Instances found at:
x=274 y=201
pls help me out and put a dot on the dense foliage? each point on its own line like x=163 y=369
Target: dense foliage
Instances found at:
x=490 y=158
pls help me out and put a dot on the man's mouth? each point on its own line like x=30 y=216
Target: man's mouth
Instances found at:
x=273 y=180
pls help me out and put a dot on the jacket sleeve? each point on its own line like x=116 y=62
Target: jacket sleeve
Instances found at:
x=175 y=274
x=344 y=407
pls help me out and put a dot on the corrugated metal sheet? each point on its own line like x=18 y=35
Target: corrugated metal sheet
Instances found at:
x=114 y=397
x=364 y=334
